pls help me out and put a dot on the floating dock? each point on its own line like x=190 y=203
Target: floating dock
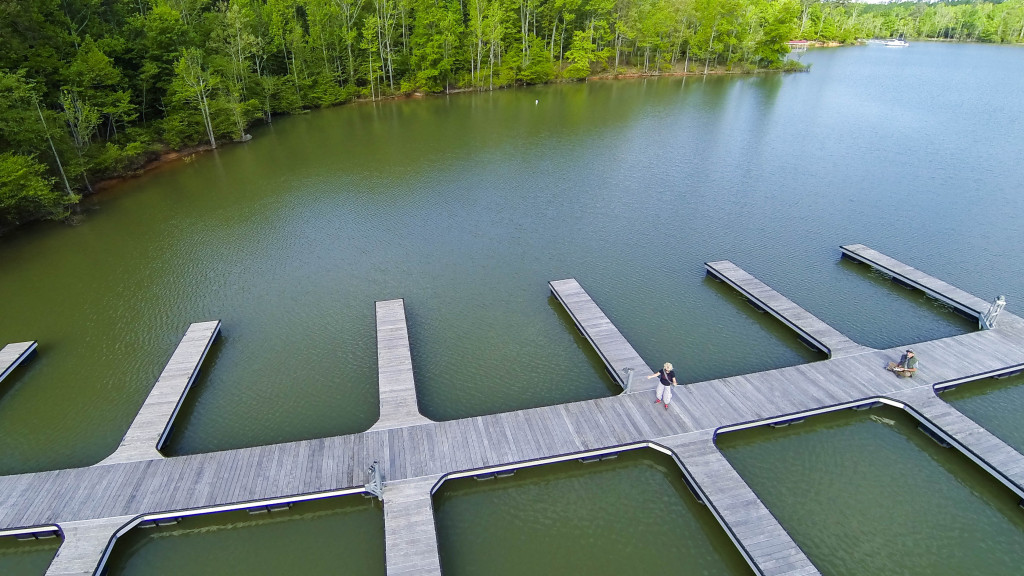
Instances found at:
x=396 y=385
x=86 y=546
x=961 y=301
x=93 y=505
x=410 y=538
x=619 y=357
x=977 y=443
x=152 y=424
x=752 y=528
x=809 y=328
x=13 y=355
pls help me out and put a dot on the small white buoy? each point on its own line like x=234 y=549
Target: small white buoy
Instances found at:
x=536 y=102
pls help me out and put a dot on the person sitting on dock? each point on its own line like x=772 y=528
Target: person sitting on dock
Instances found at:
x=666 y=380
x=906 y=367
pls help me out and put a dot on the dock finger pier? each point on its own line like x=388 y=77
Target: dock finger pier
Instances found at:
x=405 y=456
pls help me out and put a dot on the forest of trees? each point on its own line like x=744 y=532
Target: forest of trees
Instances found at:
x=964 y=21
x=91 y=89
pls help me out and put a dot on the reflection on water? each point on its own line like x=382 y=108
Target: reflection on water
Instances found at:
x=996 y=404
x=334 y=536
x=26 y=558
x=867 y=493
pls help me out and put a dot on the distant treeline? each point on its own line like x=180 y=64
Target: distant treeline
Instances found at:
x=998 y=22
x=91 y=89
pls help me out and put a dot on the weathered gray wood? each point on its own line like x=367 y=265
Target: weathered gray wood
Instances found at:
x=86 y=546
x=413 y=453
x=398 y=405
x=765 y=544
x=149 y=430
x=977 y=443
x=951 y=295
x=808 y=326
x=12 y=355
x=616 y=352
x=410 y=537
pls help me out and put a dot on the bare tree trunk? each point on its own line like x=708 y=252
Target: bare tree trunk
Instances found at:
x=56 y=156
x=372 y=95
x=524 y=25
x=554 y=28
x=205 y=104
x=618 y=46
x=266 y=90
x=711 y=44
x=295 y=72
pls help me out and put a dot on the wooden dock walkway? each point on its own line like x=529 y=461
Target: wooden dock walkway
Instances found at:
x=13 y=355
x=397 y=387
x=86 y=546
x=967 y=304
x=980 y=445
x=752 y=528
x=152 y=424
x=809 y=328
x=410 y=538
x=620 y=359
x=416 y=457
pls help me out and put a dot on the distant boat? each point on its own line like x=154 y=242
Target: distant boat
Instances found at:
x=897 y=43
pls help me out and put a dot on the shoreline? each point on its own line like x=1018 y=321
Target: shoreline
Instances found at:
x=162 y=158
x=169 y=157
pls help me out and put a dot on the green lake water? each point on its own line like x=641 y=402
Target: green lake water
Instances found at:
x=25 y=558
x=867 y=493
x=582 y=519
x=337 y=536
x=466 y=206
x=998 y=404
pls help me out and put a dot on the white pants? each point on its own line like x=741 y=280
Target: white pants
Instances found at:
x=664 y=393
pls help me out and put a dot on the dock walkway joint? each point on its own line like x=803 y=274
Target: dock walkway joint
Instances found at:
x=977 y=443
x=756 y=533
x=397 y=387
x=86 y=546
x=808 y=327
x=152 y=424
x=410 y=537
x=618 y=355
x=414 y=456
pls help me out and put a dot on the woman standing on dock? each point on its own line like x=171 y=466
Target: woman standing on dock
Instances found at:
x=666 y=381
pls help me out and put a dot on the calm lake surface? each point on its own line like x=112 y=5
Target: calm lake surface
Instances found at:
x=466 y=207
x=867 y=493
x=334 y=536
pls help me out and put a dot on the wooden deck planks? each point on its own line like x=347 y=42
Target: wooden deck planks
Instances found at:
x=968 y=436
x=478 y=442
x=398 y=406
x=13 y=355
x=616 y=352
x=764 y=543
x=410 y=538
x=930 y=285
x=148 y=431
x=417 y=452
x=86 y=546
x=808 y=326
